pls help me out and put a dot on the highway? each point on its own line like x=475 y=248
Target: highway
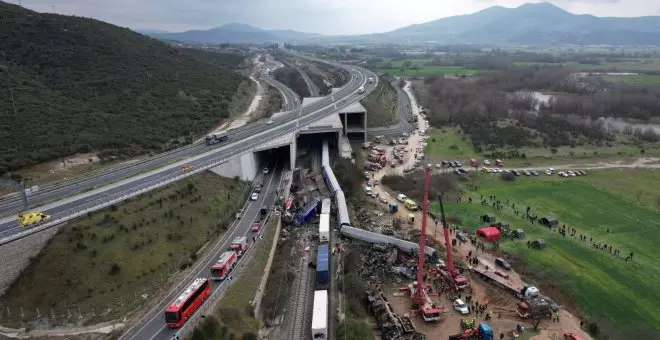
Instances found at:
x=152 y=324
x=241 y=140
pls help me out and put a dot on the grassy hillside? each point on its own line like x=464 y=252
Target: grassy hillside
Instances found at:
x=108 y=259
x=70 y=84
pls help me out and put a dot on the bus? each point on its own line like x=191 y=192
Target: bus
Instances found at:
x=187 y=303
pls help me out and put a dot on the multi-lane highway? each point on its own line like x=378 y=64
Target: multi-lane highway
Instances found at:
x=241 y=140
x=152 y=325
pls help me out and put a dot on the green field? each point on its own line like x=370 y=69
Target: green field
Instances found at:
x=641 y=79
x=419 y=68
x=234 y=311
x=599 y=284
x=110 y=258
x=449 y=143
x=640 y=65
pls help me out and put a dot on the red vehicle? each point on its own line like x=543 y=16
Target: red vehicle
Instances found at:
x=474 y=162
x=187 y=303
x=239 y=245
x=499 y=162
x=225 y=264
x=502 y=274
x=255 y=226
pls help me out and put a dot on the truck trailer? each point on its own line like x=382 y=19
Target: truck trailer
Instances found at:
x=324 y=228
x=322 y=265
x=320 y=315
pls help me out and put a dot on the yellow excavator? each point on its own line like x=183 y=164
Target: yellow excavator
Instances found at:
x=29 y=219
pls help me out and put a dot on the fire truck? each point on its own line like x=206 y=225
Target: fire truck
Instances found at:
x=221 y=269
x=239 y=245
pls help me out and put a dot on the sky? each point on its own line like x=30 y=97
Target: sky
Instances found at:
x=333 y=17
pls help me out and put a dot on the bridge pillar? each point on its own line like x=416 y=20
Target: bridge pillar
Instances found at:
x=293 y=151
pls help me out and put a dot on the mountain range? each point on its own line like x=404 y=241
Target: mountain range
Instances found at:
x=528 y=24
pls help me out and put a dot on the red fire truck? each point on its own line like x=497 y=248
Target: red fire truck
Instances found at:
x=239 y=245
x=224 y=265
x=187 y=303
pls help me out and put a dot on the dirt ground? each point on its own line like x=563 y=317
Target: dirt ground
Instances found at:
x=61 y=169
x=500 y=302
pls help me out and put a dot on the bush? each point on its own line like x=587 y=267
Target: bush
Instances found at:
x=114 y=269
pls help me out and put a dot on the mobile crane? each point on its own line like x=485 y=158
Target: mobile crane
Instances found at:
x=451 y=275
x=420 y=292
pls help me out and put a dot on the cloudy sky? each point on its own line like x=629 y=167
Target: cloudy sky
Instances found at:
x=318 y=16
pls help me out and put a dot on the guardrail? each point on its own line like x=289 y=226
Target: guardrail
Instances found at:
x=111 y=199
x=189 y=326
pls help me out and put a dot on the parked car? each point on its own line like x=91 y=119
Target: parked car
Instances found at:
x=535 y=173
x=516 y=172
x=461 y=236
x=487 y=162
x=502 y=263
x=270 y=121
x=461 y=307
x=527 y=173
x=254 y=196
x=458 y=164
x=584 y=173
x=265 y=171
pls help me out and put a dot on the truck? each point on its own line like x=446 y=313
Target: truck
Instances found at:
x=532 y=304
x=239 y=245
x=379 y=159
x=320 y=315
x=216 y=137
x=401 y=198
x=361 y=89
x=225 y=264
x=322 y=265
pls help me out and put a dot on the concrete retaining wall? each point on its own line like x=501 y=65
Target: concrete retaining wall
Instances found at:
x=15 y=256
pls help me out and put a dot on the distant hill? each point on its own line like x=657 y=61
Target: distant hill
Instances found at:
x=528 y=24
x=541 y=23
x=71 y=84
x=236 y=33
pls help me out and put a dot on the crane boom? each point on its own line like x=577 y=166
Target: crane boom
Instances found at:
x=445 y=230
x=419 y=295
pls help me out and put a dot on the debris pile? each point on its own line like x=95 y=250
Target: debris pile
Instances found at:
x=392 y=326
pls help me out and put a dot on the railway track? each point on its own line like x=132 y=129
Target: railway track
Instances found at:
x=301 y=309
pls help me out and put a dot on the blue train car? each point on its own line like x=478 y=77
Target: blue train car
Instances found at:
x=308 y=212
x=322 y=265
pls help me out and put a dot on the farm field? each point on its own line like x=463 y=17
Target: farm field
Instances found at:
x=106 y=264
x=641 y=79
x=450 y=144
x=644 y=65
x=618 y=294
x=419 y=68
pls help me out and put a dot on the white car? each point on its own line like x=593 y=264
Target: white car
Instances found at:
x=254 y=196
x=270 y=121
x=265 y=171
x=486 y=162
x=461 y=307
x=548 y=172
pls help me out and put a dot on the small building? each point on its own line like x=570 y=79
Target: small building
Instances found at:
x=489 y=234
x=549 y=221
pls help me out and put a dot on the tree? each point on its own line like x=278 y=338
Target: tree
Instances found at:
x=554 y=151
x=406 y=64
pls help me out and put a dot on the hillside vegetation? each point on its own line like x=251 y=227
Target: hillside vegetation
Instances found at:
x=70 y=84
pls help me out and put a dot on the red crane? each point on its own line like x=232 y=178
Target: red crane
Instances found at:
x=452 y=276
x=419 y=290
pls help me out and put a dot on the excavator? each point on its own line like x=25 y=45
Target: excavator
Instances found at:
x=29 y=219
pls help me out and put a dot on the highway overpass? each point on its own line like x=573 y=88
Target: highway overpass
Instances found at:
x=75 y=198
